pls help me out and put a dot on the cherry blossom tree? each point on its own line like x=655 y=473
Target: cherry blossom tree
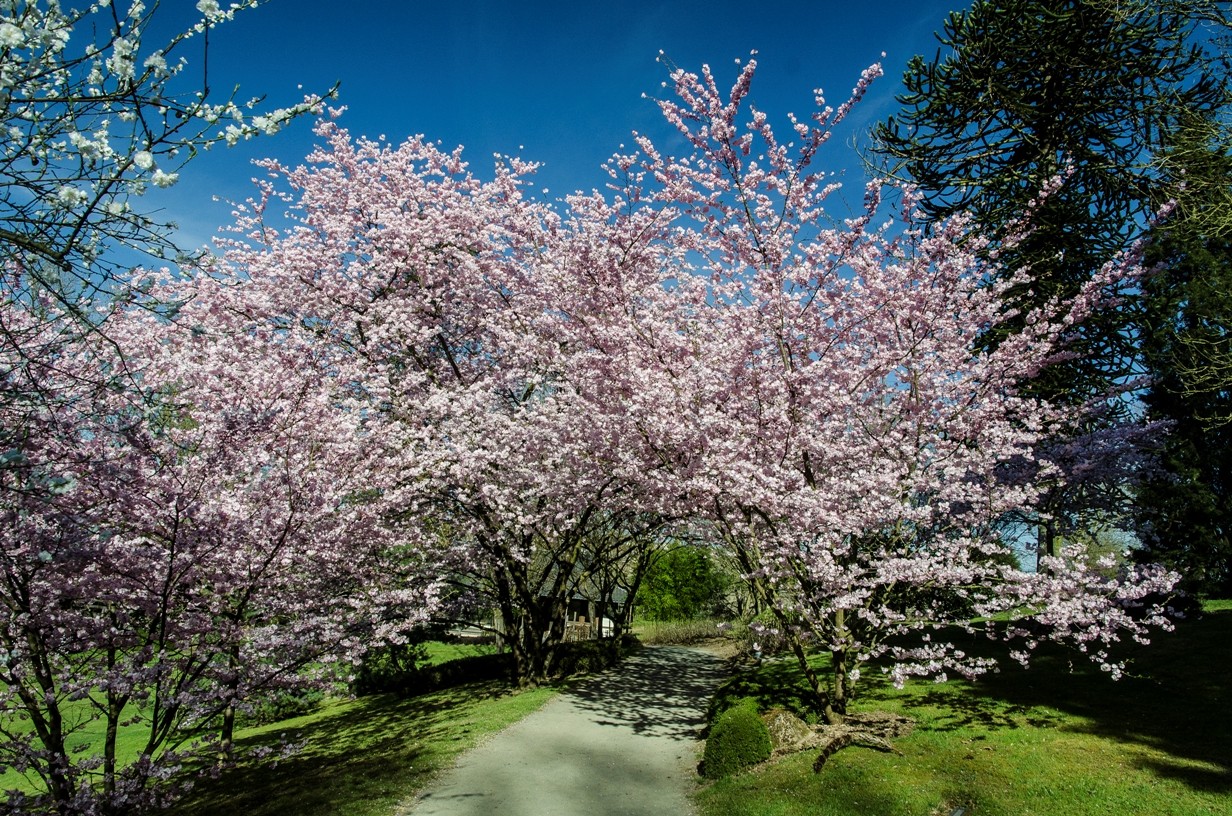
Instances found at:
x=442 y=299
x=821 y=397
x=204 y=527
x=312 y=567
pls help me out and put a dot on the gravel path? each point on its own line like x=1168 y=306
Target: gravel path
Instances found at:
x=622 y=744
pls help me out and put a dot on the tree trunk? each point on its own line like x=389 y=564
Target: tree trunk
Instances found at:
x=513 y=627
x=836 y=702
x=60 y=785
x=1046 y=543
x=226 y=746
x=810 y=675
x=114 y=708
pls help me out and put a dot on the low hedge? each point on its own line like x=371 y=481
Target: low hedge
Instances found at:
x=380 y=676
x=588 y=656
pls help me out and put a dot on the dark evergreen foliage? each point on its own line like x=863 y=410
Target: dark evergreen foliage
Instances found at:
x=1025 y=90
x=1125 y=101
x=1185 y=509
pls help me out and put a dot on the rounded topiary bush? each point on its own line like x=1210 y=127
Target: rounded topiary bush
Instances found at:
x=737 y=740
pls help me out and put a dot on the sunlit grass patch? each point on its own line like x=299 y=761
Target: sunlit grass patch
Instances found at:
x=1059 y=738
x=440 y=652
x=353 y=756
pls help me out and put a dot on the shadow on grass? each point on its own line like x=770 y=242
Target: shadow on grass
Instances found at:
x=1176 y=698
x=776 y=683
x=359 y=751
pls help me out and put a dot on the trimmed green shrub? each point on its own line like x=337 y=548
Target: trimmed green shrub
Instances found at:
x=737 y=740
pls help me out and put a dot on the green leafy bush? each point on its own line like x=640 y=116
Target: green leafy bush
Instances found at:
x=737 y=740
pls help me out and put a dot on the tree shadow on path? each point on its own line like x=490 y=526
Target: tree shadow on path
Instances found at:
x=661 y=691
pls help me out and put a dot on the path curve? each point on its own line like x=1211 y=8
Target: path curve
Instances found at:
x=623 y=743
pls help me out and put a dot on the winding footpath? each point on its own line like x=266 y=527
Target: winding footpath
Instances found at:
x=623 y=743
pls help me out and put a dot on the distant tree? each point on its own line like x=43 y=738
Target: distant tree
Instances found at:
x=682 y=583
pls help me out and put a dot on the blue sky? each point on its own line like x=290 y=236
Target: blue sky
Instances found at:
x=555 y=82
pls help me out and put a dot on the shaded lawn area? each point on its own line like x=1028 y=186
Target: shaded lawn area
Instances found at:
x=1060 y=739
x=360 y=757
x=88 y=734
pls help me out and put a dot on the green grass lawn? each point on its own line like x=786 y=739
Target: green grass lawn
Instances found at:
x=361 y=757
x=360 y=770
x=86 y=731
x=1059 y=739
x=439 y=652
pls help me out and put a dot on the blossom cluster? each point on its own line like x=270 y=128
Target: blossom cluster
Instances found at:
x=93 y=116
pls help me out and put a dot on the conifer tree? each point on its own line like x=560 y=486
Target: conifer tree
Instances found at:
x=1183 y=510
x=1084 y=91
x=1067 y=111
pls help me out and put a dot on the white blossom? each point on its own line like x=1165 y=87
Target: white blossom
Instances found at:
x=158 y=63
x=70 y=196
x=120 y=63
x=11 y=36
x=210 y=9
x=92 y=148
x=268 y=125
x=164 y=180
x=233 y=134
